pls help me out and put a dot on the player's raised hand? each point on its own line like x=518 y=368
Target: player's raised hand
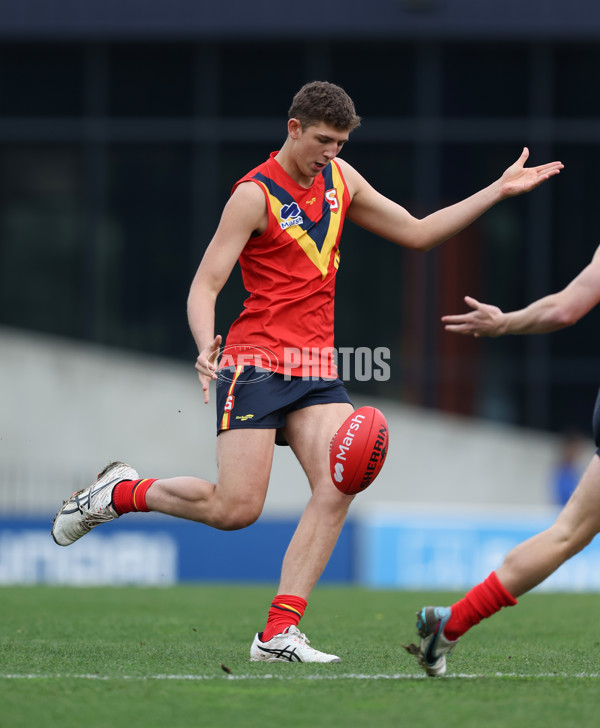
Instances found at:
x=518 y=178
x=484 y=320
x=206 y=365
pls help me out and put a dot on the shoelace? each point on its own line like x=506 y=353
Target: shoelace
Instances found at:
x=91 y=519
x=298 y=635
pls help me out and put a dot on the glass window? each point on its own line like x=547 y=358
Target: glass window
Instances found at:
x=382 y=84
x=147 y=261
x=576 y=73
x=41 y=80
x=388 y=166
x=151 y=80
x=576 y=238
x=572 y=401
x=473 y=74
x=371 y=289
x=41 y=238
x=235 y=160
x=489 y=261
x=260 y=79
x=502 y=231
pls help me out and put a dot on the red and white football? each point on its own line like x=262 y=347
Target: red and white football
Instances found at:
x=358 y=449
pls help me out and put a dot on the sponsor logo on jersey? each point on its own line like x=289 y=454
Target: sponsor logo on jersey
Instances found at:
x=290 y=215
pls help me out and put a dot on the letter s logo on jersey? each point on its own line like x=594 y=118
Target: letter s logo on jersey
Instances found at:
x=332 y=198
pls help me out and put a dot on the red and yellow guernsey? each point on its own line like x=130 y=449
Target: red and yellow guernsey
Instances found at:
x=289 y=271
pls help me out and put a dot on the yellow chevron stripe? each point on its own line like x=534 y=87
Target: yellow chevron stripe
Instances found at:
x=319 y=258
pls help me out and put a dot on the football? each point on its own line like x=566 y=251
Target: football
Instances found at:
x=357 y=450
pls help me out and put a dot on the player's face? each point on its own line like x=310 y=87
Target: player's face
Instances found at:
x=317 y=145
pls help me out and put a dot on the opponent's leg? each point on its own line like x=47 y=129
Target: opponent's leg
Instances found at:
x=532 y=561
x=524 y=567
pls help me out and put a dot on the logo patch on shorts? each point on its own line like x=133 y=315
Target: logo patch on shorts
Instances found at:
x=243 y=418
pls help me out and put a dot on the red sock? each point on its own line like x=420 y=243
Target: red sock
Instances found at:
x=285 y=610
x=130 y=495
x=482 y=601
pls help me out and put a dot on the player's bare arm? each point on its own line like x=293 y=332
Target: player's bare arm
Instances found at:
x=550 y=313
x=385 y=218
x=244 y=214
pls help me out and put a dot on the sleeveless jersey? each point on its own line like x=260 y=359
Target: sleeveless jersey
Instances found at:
x=289 y=271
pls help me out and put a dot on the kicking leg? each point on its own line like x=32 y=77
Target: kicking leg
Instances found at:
x=244 y=459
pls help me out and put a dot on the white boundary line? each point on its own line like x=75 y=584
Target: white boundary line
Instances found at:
x=348 y=676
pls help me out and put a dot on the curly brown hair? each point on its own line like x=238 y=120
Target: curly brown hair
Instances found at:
x=321 y=101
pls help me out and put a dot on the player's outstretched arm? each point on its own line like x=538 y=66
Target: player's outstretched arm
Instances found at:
x=382 y=216
x=547 y=314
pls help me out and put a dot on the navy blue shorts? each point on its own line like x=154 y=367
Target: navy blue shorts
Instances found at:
x=257 y=399
x=596 y=423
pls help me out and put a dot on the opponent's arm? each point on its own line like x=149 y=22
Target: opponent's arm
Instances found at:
x=382 y=216
x=244 y=213
x=547 y=314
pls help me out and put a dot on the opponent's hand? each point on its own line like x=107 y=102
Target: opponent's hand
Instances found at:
x=518 y=178
x=206 y=365
x=484 y=320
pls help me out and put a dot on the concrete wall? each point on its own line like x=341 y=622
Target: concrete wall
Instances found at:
x=67 y=409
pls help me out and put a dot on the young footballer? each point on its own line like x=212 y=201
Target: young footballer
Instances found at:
x=283 y=223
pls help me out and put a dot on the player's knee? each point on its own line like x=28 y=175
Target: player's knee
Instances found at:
x=239 y=515
x=238 y=521
x=330 y=498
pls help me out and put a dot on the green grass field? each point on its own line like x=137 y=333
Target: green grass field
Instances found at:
x=153 y=658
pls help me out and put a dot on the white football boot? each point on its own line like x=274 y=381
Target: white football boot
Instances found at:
x=289 y=646
x=91 y=506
